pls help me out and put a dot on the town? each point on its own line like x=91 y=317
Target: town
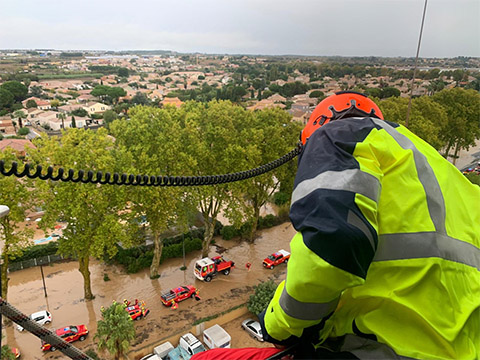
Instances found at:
x=150 y=248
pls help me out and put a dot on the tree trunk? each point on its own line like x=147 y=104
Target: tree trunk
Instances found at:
x=455 y=154
x=255 y=218
x=157 y=254
x=83 y=262
x=207 y=237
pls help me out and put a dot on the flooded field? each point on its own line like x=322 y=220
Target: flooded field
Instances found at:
x=64 y=286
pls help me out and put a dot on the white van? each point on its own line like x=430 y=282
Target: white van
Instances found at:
x=216 y=337
x=162 y=350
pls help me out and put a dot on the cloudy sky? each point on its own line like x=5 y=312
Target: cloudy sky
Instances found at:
x=271 y=27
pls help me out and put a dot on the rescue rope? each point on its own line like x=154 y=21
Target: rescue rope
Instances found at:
x=39 y=331
x=143 y=180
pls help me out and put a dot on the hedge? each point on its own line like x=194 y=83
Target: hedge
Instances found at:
x=138 y=258
x=36 y=251
x=228 y=232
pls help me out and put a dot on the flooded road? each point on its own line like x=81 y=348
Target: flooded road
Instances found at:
x=64 y=286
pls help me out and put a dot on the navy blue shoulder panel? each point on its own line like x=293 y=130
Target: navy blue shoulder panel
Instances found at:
x=330 y=148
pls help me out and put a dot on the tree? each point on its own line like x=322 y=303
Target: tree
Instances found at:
x=426 y=121
x=6 y=98
x=36 y=91
x=17 y=89
x=115 y=331
x=80 y=112
x=317 y=94
x=108 y=117
x=15 y=194
x=215 y=137
x=62 y=116
x=140 y=99
x=93 y=213
x=73 y=124
x=259 y=301
x=31 y=104
x=20 y=115
x=152 y=139
x=123 y=72
x=463 y=111
x=271 y=135
x=55 y=103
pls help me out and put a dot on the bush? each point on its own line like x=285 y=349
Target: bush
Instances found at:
x=36 y=251
x=263 y=294
x=23 y=131
x=138 y=258
x=474 y=178
x=280 y=198
x=229 y=232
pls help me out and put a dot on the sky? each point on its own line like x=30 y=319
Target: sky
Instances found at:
x=386 y=28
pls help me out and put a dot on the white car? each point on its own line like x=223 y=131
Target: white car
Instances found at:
x=41 y=317
x=253 y=328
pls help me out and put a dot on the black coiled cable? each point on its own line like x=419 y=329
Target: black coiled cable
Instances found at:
x=144 y=180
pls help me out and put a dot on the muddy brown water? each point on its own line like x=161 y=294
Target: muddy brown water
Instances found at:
x=64 y=285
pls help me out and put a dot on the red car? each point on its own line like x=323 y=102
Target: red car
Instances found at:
x=179 y=294
x=69 y=334
x=276 y=259
x=137 y=312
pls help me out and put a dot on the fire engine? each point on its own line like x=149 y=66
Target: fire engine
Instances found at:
x=170 y=298
x=206 y=268
x=276 y=258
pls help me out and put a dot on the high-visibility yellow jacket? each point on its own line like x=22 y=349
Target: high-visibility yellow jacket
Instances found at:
x=388 y=238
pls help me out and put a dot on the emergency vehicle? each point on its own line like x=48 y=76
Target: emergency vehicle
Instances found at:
x=276 y=259
x=206 y=268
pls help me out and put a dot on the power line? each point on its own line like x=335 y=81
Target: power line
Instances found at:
x=415 y=67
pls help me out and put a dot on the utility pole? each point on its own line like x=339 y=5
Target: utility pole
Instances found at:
x=4 y=210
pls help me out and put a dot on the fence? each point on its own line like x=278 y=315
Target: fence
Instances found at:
x=44 y=260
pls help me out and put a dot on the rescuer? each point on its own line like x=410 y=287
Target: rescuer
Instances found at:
x=386 y=259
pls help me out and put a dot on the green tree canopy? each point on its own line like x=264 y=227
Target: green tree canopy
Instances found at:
x=92 y=213
x=6 y=98
x=115 y=331
x=152 y=139
x=16 y=194
x=463 y=112
x=31 y=104
x=16 y=88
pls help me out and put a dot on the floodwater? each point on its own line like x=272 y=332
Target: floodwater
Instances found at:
x=64 y=286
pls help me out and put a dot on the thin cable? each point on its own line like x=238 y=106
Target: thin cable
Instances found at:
x=415 y=67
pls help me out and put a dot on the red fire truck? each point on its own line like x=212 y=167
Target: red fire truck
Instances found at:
x=206 y=268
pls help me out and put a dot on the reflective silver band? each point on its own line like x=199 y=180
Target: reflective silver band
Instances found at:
x=354 y=219
x=426 y=245
x=303 y=310
x=435 y=201
x=364 y=348
x=353 y=180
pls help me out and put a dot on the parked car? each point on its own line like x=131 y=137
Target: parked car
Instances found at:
x=41 y=317
x=69 y=334
x=281 y=256
x=253 y=328
x=178 y=294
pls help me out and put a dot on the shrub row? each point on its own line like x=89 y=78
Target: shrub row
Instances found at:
x=36 y=251
x=138 y=258
x=264 y=222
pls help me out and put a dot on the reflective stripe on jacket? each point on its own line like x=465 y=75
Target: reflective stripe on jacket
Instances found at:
x=388 y=241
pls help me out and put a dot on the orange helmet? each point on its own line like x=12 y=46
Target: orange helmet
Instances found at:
x=340 y=105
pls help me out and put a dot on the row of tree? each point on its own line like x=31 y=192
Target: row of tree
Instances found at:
x=197 y=139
